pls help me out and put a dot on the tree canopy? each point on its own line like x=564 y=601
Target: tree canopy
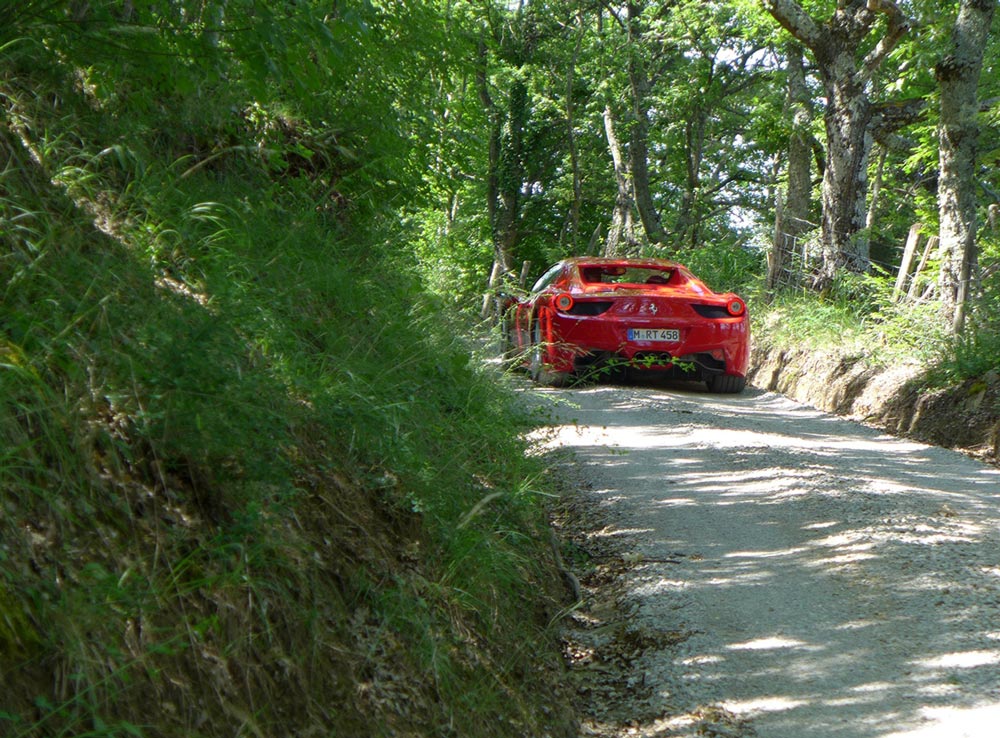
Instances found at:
x=663 y=128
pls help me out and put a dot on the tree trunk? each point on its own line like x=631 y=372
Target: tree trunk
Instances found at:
x=639 y=141
x=505 y=260
x=792 y=217
x=510 y=175
x=845 y=181
x=876 y=190
x=574 y=159
x=621 y=237
x=958 y=77
x=686 y=228
x=847 y=58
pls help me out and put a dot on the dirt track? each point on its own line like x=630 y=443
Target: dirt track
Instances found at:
x=767 y=569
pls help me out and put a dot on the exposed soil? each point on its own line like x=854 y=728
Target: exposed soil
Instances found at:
x=752 y=566
x=965 y=416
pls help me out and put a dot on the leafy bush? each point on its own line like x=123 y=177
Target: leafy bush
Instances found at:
x=726 y=267
x=972 y=355
x=858 y=315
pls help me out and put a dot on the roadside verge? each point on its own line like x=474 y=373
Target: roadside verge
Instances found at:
x=897 y=398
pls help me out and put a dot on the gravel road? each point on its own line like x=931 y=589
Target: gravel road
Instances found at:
x=782 y=573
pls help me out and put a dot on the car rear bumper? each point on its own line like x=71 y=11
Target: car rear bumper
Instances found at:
x=714 y=347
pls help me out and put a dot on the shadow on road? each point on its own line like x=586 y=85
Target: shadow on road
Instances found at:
x=838 y=582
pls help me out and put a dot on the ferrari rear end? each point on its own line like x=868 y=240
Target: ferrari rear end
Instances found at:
x=693 y=336
x=656 y=331
x=641 y=315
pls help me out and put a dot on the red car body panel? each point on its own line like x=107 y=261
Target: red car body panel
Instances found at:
x=591 y=307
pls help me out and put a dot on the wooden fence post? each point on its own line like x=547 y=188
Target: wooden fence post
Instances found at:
x=904 y=268
x=525 y=270
x=932 y=243
x=490 y=296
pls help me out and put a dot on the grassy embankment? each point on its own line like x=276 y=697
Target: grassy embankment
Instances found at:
x=250 y=481
x=863 y=319
x=859 y=350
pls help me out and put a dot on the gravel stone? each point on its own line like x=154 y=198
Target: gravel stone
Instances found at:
x=782 y=572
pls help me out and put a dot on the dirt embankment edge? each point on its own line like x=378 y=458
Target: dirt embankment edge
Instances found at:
x=897 y=399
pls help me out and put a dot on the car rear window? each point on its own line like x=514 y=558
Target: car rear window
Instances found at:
x=627 y=275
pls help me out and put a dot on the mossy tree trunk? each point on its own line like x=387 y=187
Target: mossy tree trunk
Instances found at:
x=639 y=86
x=958 y=77
x=621 y=234
x=847 y=56
x=792 y=215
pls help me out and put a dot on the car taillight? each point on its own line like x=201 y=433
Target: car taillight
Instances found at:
x=736 y=307
x=564 y=302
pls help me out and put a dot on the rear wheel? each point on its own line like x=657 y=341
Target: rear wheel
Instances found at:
x=728 y=384
x=508 y=336
x=538 y=366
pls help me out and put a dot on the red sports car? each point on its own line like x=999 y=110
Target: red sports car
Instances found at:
x=641 y=314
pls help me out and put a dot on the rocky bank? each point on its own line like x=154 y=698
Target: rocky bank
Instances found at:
x=897 y=399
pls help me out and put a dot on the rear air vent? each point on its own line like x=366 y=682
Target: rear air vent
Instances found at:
x=711 y=311
x=591 y=308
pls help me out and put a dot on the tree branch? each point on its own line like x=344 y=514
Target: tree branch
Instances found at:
x=613 y=12
x=796 y=21
x=899 y=24
x=889 y=117
x=986 y=105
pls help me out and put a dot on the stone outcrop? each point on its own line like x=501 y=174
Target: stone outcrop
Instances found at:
x=896 y=398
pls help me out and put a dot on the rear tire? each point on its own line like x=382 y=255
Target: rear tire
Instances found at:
x=538 y=368
x=508 y=337
x=727 y=384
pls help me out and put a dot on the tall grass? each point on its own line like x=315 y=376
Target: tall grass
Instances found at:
x=862 y=316
x=247 y=475
x=974 y=354
x=727 y=267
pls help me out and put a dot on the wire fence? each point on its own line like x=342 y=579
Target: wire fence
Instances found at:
x=799 y=259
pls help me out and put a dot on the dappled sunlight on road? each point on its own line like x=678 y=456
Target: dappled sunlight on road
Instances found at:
x=955 y=722
x=840 y=583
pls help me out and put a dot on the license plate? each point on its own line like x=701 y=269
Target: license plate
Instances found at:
x=662 y=335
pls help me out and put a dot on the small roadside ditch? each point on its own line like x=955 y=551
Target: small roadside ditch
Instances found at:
x=897 y=399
